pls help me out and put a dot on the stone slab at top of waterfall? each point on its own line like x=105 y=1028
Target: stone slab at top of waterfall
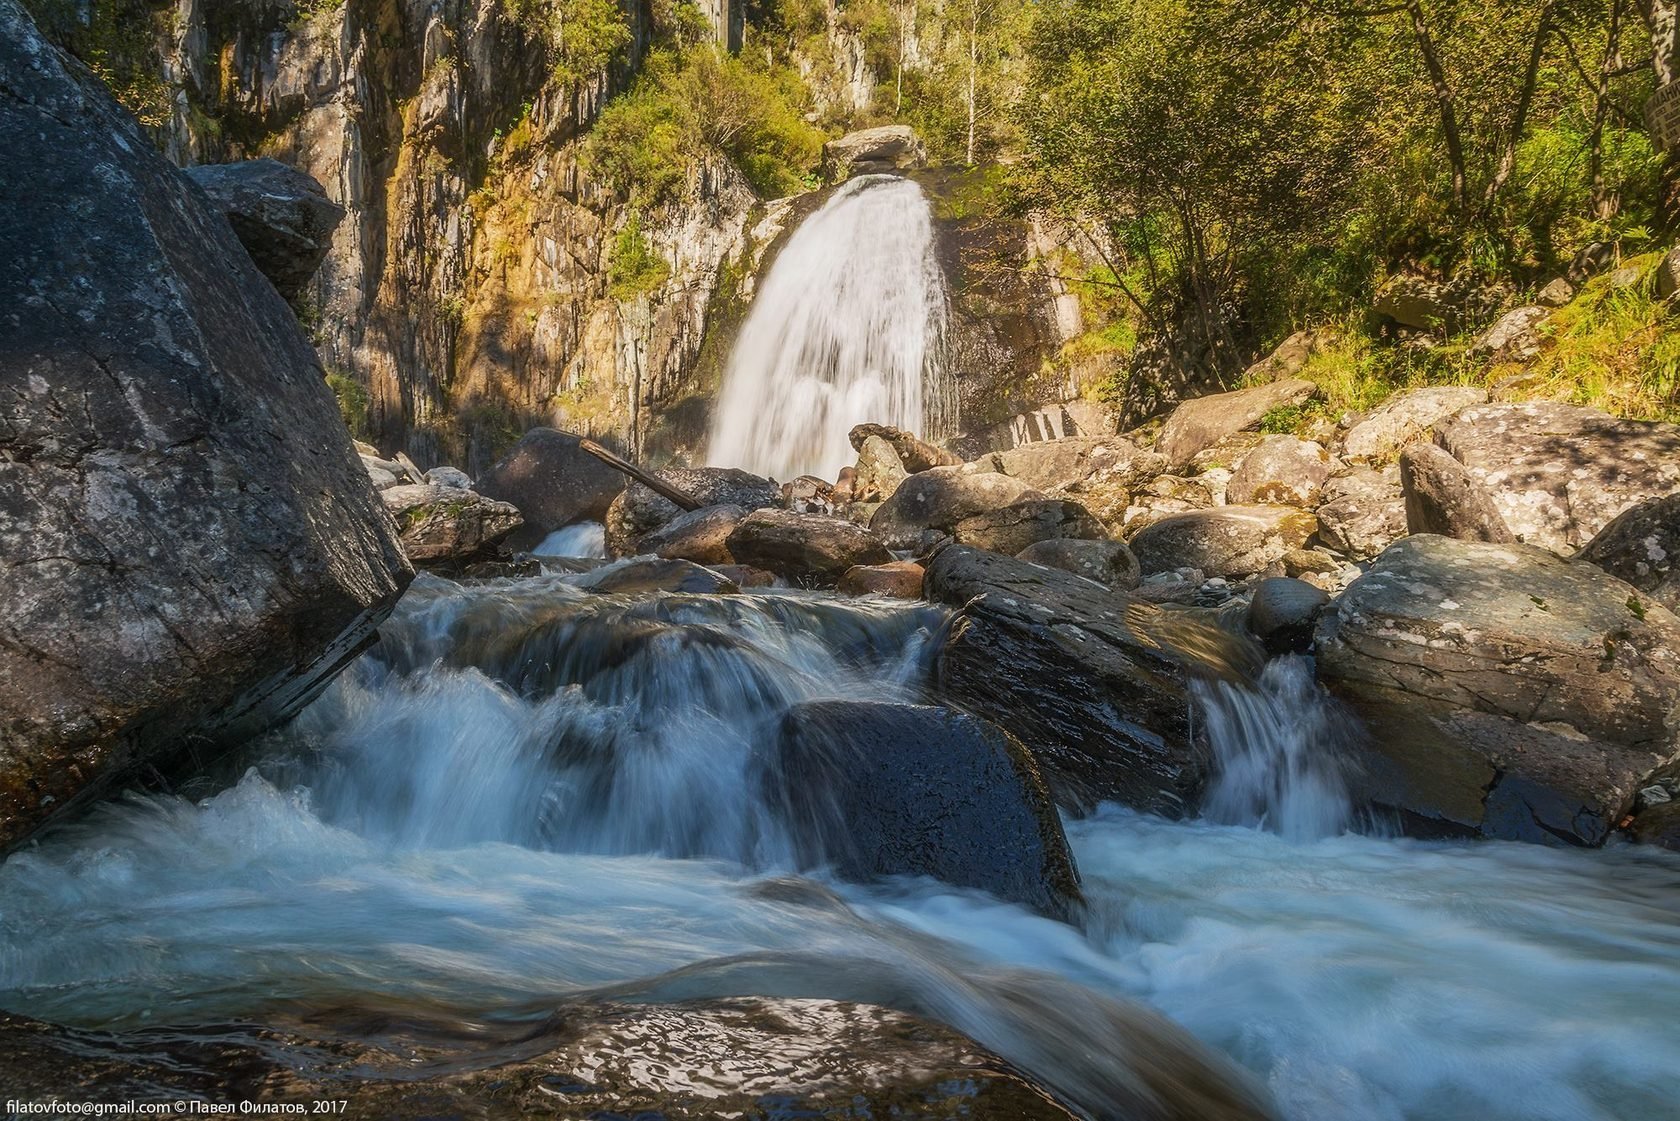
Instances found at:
x=193 y=548
x=873 y=150
x=1510 y=693
x=1094 y=682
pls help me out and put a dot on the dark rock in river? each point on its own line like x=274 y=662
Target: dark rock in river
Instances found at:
x=283 y=217
x=811 y=548
x=1510 y=693
x=897 y=579
x=656 y=574
x=1282 y=612
x=1094 y=682
x=873 y=789
x=639 y=511
x=701 y=536
x=553 y=482
x=192 y=547
x=811 y=1058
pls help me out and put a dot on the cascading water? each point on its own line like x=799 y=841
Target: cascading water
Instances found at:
x=847 y=327
x=530 y=793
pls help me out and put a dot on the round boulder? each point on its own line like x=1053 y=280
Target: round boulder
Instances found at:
x=1282 y=613
x=553 y=482
x=1227 y=541
x=939 y=498
x=898 y=579
x=1107 y=562
x=1282 y=470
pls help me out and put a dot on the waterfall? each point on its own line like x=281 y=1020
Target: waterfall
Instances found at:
x=848 y=327
x=1277 y=762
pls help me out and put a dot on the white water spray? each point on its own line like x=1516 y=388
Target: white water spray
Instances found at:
x=848 y=328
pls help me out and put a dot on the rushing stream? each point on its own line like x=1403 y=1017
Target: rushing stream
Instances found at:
x=528 y=791
x=848 y=327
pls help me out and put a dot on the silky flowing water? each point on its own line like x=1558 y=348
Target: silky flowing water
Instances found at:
x=529 y=792
x=848 y=327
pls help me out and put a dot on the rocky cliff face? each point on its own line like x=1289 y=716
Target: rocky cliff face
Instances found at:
x=466 y=296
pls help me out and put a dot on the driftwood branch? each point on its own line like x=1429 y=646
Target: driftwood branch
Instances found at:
x=646 y=478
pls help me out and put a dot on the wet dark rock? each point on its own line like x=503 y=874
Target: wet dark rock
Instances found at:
x=655 y=574
x=553 y=482
x=939 y=498
x=812 y=1058
x=444 y=525
x=1094 y=682
x=1442 y=498
x=898 y=579
x=192 y=548
x=873 y=789
x=811 y=548
x=1109 y=563
x=1009 y=529
x=746 y=575
x=1204 y=421
x=282 y=216
x=914 y=453
x=1560 y=473
x=1225 y=541
x=1658 y=825
x=1511 y=693
x=701 y=536
x=639 y=511
x=1642 y=547
x=1282 y=613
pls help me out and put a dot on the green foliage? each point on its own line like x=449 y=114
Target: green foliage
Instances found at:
x=582 y=36
x=117 y=40
x=633 y=268
x=353 y=401
x=688 y=103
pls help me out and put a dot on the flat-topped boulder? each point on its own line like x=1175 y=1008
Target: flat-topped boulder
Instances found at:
x=1509 y=692
x=939 y=498
x=1405 y=418
x=701 y=536
x=1009 y=529
x=1095 y=683
x=1559 y=473
x=1204 y=421
x=871 y=151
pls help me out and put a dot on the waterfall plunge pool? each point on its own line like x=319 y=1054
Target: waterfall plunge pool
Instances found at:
x=528 y=793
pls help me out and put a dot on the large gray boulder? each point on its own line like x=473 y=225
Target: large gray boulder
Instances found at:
x=810 y=548
x=1205 y=421
x=1509 y=692
x=939 y=498
x=638 y=511
x=701 y=536
x=1560 y=473
x=282 y=216
x=192 y=548
x=872 y=789
x=1109 y=563
x=1225 y=541
x=1094 y=682
x=1404 y=418
x=1642 y=547
x=553 y=482
x=1442 y=498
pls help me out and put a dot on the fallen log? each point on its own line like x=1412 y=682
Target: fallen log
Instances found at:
x=646 y=478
